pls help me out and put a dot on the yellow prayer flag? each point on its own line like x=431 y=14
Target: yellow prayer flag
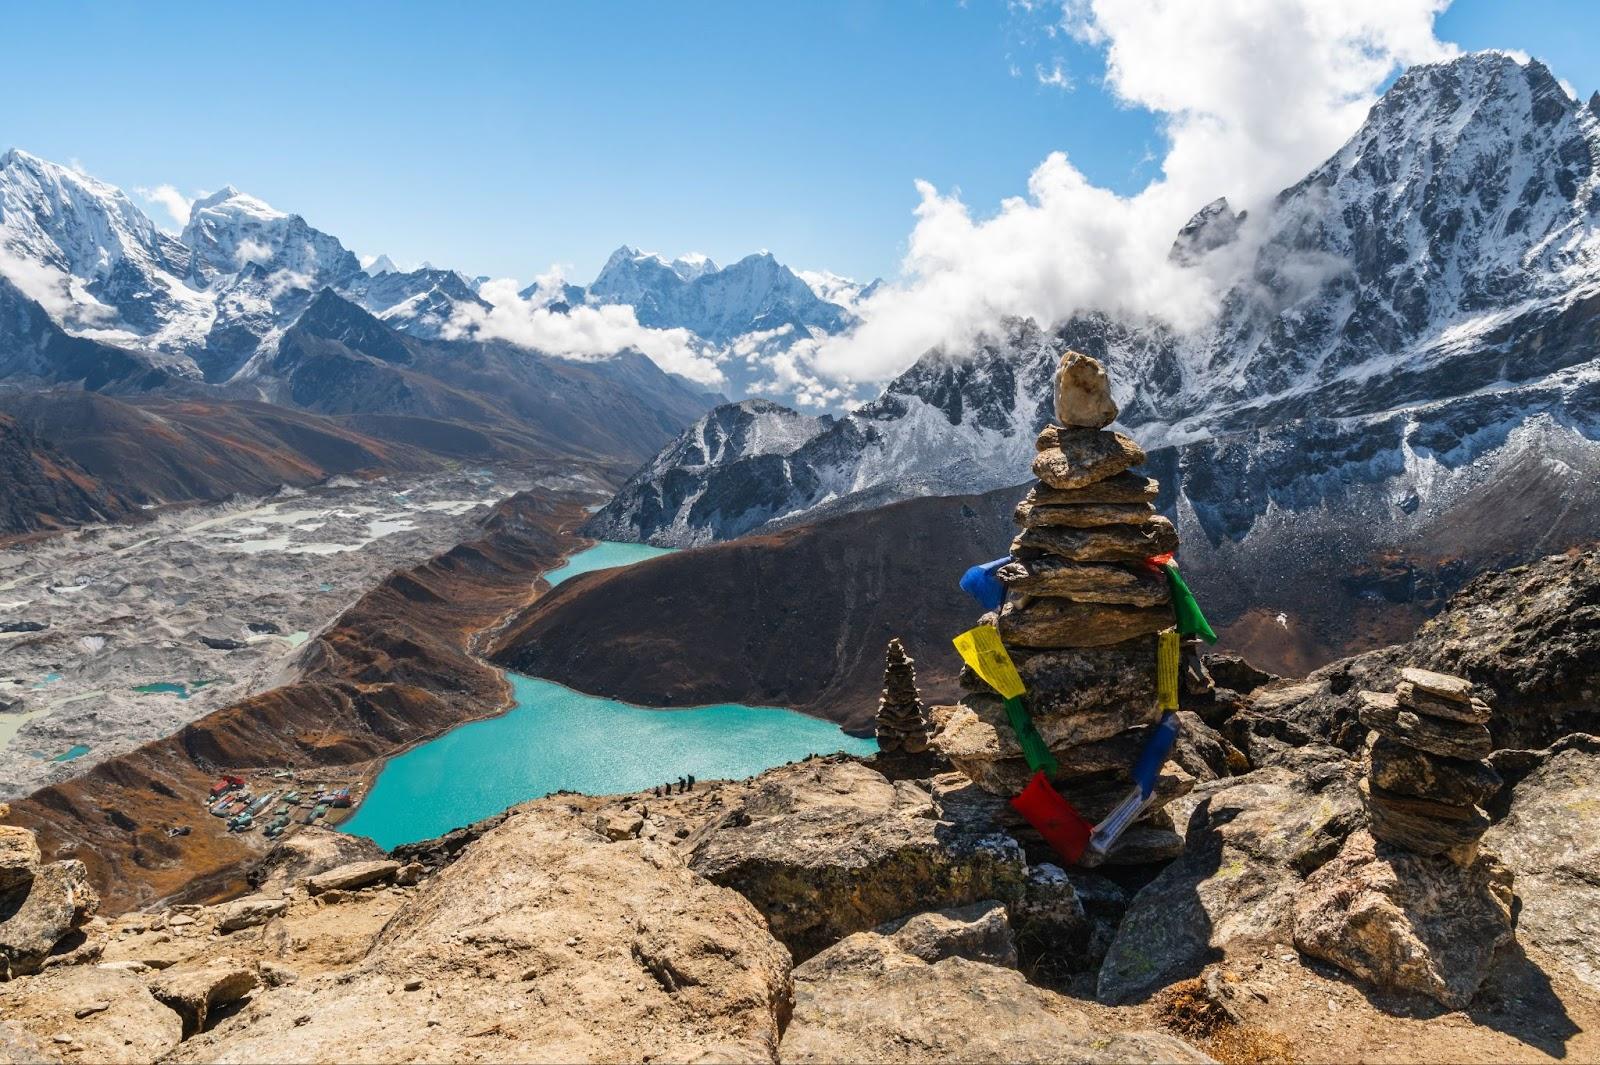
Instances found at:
x=981 y=649
x=1167 y=670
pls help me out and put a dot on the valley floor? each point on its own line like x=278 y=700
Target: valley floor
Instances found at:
x=126 y=609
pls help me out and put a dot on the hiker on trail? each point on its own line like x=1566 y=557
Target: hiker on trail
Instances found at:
x=681 y=785
x=658 y=791
x=691 y=781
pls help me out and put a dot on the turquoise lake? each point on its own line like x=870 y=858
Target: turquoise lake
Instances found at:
x=556 y=739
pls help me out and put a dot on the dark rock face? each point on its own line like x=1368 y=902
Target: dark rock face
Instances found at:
x=45 y=489
x=1422 y=826
x=1407 y=771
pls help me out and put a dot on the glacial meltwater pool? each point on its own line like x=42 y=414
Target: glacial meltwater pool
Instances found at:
x=556 y=739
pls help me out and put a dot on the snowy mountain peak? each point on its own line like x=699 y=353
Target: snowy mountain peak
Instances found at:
x=229 y=230
x=381 y=265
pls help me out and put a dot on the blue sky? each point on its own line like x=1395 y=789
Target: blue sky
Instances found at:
x=504 y=137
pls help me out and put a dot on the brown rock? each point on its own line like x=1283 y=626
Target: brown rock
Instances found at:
x=1408 y=771
x=352 y=876
x=194 y=990
x=1474 y=711
x=1082 y=515
x=867 y=999
x=110 y=1014
x=1381 y=712
x=37 y=916
x=249 y=912
x=1108 y=543
x=1070 y=681
x=1077 y=457
x=19 y=857
x=1054 y=623
x=1442 y=685
x=1083 y=393
x=1126 y=487
x=978 y=734
x=1085 y=582
x=1399 y=920
x=1421 y=825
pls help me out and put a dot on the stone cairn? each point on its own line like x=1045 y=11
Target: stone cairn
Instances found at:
x=903 y=723
x=1427 y=778
x=1080 y=620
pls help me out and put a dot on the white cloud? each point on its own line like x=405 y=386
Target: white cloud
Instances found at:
x=43 y=284
x=1056 y=77
x=1252 y=94
x=251 y=251
x=587 y=332
x=169 y=199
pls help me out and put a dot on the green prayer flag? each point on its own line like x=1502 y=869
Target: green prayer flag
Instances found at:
x=1187 y=612
x=1033 y=746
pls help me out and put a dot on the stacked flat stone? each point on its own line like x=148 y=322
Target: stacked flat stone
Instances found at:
x=903 y=723
x=1427 y=780
x=1080 y=618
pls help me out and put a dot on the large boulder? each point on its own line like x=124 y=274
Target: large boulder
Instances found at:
x=36 y=916
x=193 y=990
x=309 y=851
x=1549 y=841
x=829 y=847
x=352 y=876
x=249 y=912
x=102 y=1014
x=19 y=857
x=543 y=941
x=870 y=999
x=1405 y=921
x=1250 y=841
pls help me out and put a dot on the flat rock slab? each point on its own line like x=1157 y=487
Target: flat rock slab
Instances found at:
x=1074 y=458
x=978 y=740
x=1381 y=712
x=1548 y=839
x=544 y=941
x=1405 y=922
x=1125 y=487
x=1411 y=697
x=1082 y=515
x=1083 y=393
x=1440 y=685
x=109 y=1014
x=1086 y=582
x=1249 y=842
x=249 y=912
x=1408 y=771
x=828 y=848
x=867 y=999
x=1108 y=543
x=1421 y=825
x=1063 y=623
x=352 y=876
x=35 y=916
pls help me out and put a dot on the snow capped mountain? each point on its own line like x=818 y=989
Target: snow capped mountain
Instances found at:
x=1399 y=319
x=420 y=302
x=229 y=232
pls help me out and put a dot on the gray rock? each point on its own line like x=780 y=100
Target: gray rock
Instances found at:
x=1249 y=843
x=1408 y=771
x=37 y=916
x=829 y=847
x=1474 y=711
x=1404 y=921
x=1440 y=685
x=1548 y=839
x=1448 y=739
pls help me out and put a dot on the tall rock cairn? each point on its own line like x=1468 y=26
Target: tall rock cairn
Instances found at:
x=1080 y=620
x=1427 y=779
x=903 y=724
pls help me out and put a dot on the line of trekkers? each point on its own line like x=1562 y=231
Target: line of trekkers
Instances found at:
x=232 y=798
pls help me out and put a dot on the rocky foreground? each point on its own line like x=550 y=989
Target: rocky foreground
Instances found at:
x=890 y=911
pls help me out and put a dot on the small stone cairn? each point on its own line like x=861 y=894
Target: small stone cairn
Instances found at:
x=1427 y=778
x=1080 y=618
x=903 y=723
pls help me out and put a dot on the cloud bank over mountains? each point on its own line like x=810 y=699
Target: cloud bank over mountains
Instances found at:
x=1253 y=94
